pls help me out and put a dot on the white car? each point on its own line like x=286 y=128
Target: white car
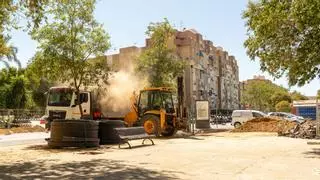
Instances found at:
x=241 y=116
x=287 y=116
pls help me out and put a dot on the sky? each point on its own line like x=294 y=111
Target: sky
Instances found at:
x=219 y=21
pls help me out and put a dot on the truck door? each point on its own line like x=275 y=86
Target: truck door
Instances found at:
x=85 y=104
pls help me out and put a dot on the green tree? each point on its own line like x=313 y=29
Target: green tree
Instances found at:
x=257 y=94
x=11 y=11
x=38 y=93
x=280 y=96
x=295 y=96
x=67 y=42
x=10 y=57
x=13 y=89
x=283 y=106
x=16 y=97
x=263 y=95
x=284 y=36
x=318 y=94
x=38 y=85
x=158 y=61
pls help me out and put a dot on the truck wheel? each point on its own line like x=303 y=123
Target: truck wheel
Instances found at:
x=170 y=131
x=151 y=124
x=237 y=124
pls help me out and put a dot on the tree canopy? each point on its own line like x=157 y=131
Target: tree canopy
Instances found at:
x=13 y=89
x=295 y=96
x=158 y=62
x=285 y=37
x=283 y=106
x=67 y=42
x=11 y=11
x=264 y=95
x=21 y=88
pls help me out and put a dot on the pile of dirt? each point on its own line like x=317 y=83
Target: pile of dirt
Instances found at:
x=307 y=130
x=21 y=130
x=265 y=125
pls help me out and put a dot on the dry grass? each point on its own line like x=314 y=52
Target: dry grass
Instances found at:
x=21 y=130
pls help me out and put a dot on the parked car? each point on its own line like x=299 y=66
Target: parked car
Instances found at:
x=287 y=116
x=241 y=116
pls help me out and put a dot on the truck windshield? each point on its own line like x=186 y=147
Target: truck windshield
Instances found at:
x=60 y=97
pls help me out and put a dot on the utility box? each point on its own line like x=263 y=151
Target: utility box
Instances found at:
x=202 y=115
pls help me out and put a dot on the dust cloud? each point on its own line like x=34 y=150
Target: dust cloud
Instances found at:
x=116 y=101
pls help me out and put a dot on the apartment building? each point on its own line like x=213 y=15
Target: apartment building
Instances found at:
x=210 y=73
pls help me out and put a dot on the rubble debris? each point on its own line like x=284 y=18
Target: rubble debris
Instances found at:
x=305 y=130
x=265 y=125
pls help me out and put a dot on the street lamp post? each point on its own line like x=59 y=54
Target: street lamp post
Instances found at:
x=216 y=116
x=317 y=118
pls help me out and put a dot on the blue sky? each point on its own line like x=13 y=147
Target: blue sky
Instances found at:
x=219 y=21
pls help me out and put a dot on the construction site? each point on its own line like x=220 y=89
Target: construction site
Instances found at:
x=206 y=155
x=172 y=106
x=128 y=130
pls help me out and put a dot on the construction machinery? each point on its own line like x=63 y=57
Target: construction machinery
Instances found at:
x=154 y=109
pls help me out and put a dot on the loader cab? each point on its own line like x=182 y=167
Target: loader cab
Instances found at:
x=155 y=100
x=156 y=111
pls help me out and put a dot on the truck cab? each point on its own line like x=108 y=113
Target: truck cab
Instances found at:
x=62 y=103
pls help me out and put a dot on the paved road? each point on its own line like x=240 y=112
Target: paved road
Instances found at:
x=238 y=156
x=23 y=138
x=38 y=137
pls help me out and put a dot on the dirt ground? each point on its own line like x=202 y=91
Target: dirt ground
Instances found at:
x=21 y=130
x=222 y=155
x=266 y=124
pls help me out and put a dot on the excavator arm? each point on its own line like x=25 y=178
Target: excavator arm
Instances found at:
x=132 y=116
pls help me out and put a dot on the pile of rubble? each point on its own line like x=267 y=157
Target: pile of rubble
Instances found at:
x=307 y=130
x=265 y=125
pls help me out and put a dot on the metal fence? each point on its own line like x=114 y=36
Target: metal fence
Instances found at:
x=220 y=116
x=16 y=117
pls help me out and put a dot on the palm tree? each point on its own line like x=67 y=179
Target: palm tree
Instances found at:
x=11 y=57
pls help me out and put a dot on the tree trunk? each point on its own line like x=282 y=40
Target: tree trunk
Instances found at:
x=79 y=103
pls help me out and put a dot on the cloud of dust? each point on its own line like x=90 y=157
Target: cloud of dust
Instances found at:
x=116 y=101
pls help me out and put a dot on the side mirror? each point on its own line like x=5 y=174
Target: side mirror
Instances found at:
x=75 y=103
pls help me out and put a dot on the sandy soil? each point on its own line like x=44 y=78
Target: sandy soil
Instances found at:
x=21 y=130
x=266 y=124
x=220 y=155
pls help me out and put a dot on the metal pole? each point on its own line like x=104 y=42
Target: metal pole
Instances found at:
x=216 y=111
x=317 y=118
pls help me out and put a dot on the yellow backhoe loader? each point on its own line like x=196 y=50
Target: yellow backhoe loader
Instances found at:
x=154 y=109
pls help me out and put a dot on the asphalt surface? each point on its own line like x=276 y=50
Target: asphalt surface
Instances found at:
x=23 y=138
x=39 y=137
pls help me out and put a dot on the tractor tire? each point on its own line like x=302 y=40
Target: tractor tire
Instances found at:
x=107 y=133
x=169 y=132
x=151 y=124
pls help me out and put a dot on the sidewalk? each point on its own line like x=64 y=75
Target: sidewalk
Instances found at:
x=22 y=138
